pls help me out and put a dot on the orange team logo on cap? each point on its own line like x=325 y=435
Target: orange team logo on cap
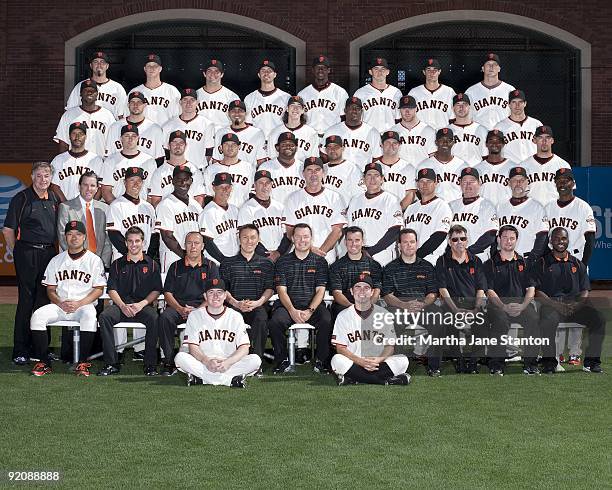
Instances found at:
x=264 y=173
x=519 y=170
x=562 y=170
x=371 y=165
x=516 y=92
x=187 y=90
x=129 y=126
x=379 y=60
x=496 y=131
x=99 y=54
x=332 y=138
x=213 y=62
x=77 y=124
x=445 y=130
x=215 y=281
x=136 y=93
x=424 y=171
x=460 y=96
x=321 y=58
x=203 y=275
x=134 y=169
x=362 y=276
x=353 y=99
x=491 y=56
x=467 y=170
x=237 y=101
x=151 y=56
x=73 y=223
x=390 y=134
x=229 y=135
x=265 y=62
x=223 y=176
x=429 y=61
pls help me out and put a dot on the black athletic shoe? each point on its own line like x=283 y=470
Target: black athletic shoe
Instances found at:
x=401 y=379
x=238 y=381
x=302 y=356
x=282 y=367
x=496 y=372
x=434 y=373
x=194 y=380
x=460 y=365
x=320 y=368
x=344 y=380
x=138 y=356
x=471 y=366
x=108 y=370
x=531 y=370
x=168 y=369
x=21 y=360
x=593 y=368
x=150 y=371
x=259 y=374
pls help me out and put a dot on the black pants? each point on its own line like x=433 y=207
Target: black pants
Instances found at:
x=113 y=315
x=281 y=321
x=500 y=325
x=473 y=330
x=169 y=319
x=587 y=315
x=30 y=264
x=258 y=333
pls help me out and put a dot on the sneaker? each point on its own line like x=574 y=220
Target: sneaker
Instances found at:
x=471 y=366
x=434 y=373
x=259 y=374
x=401 y=379
x=562 y=358
x=138 y=356
x=496 y=372
x=574 y=361
x=194 y=380
x=460 y=365
x=82 y=369
x=302 y=356
x=40 y=369
x=21 y=360
x=150 y=371
x=168 y=369
x=531 y=370
x=344 y=380
x=320 y=368
x=282 y=367
x=593 y=368
x=108 y=370
x=238 y=381
x=53 y=357
x=559 y=368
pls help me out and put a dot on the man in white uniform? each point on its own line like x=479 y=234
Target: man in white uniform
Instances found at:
x=469 y=135
x=417 y=138
x=434 y=100
x=213 y=97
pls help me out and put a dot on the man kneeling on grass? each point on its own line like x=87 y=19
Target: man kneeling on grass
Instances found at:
x=361 y=339
x=218 y=343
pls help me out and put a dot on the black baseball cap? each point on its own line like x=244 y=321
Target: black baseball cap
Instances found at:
x=78 y=125
x=516 y=94
x=181 y=169
x=469 y=171
x=564 y=172
x=321 y=60
x=543 y=130
x=461 y=97
x=129 y=128
x=236 y=104
x=514 y=171
x=214 y=283
x=267 y=63
x=222 y=178
x=495 y=132
x=75 y=225
x=353 y=101
x=214 y=63
x=313 y=161
x=442 y=132
x=286 y=136
x=407 y=102
x=373 y=166
x=99 y=55
x=189 y=92
x=390 y=135
x=137 y=95
x=177 y=134
x=379 y=62
x=261 y=174
x=232 y=137
x=363 y=277
x=491 y=57
x=426 y=173
x=334 y=139
x=89 y=83
x=134 y=172
x=432 y=63
x=153 y=58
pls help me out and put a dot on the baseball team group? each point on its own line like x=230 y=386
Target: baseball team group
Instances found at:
x=229 y=222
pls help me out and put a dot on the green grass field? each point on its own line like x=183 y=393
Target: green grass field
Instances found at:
x=305 y=432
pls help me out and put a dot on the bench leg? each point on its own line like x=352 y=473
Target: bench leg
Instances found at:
x=291 y=347
x=76 y=350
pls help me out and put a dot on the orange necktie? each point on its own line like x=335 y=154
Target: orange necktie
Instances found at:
x=89 y=226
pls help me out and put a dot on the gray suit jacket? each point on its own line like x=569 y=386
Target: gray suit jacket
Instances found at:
x=73 y=211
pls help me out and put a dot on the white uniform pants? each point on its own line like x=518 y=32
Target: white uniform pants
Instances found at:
x=574 y=341
x=397 y=363
x=248 y=365
x=85 y=315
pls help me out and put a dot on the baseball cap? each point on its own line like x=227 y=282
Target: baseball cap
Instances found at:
x=495 y=132
x=433 y=63
x=177 y=134
x=137 y=95
x=313 y=161
x=363 y=277
x=389 y=135
x=461 y=97
x=516 y=94
x=469 y=171
x=543 y=130
x=335 y=139
x=267 y=63
x=491 y=57
x=295 y=99
x=443 y=132
x=188 y=92
x=99 y=55
x=153 y=58
x=564 y=172
x=426 y=173
x=353 y=101
x=134 y=172
x=233 y=137
x=407 y=102
x=286 y=136
x=75 y=225
x=181 y=169
x=236 y=104
x=88 y=83
x=373 y=166
x=260 y=174
x=78 y=125
x=379 y=62
x=129 y=128
x=214 y=284
x=321 y=60
x=214 y=63
x=514 y=171
x=222 y=178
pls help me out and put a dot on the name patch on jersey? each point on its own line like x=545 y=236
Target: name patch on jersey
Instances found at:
x=413 y=140
x=75 y=275
x=323 y=103
x=358 y=335
x=136 y=219
x=186 y=216
x=72 y=171
x=272 y=108
x=320 y=209
x=492 y=100
x=563 y=221
x=217 y=334
x=418 y=218
x=466 y=218
x=380 y=101
x=366 y=213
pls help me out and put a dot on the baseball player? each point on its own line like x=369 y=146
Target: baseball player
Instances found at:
x=199 y=131
x=518 y=129
x=319 y=207
x=163 y=98
x=378 y=214
x=490 y=97
x=150 y=135
x=380 y=100
x=543 y=166
x=75 y=280
x=430 y=217
x=294 y=120
x=219 y=221
x=161 y=182
x=252 y=139
x=341 y=175
x=111 y=94
x=362 y=355
x=177 y=215
x=470 y=137
x=213 y=97
x=265 y=106
x=97 y=118
x=526 y=214
x=266 y=214
x=361 y=141
x=446 y=166
x=285 y=169
x=218 y=343
x=434 y=100
x=399 y=175
x=494 y=170
x=130 y=156
x=324 y=101
x=70 y=165
x=241 y=172
x=477 y=215
x=417 y=138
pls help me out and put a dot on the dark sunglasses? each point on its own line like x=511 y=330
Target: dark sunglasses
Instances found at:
x=456 y=239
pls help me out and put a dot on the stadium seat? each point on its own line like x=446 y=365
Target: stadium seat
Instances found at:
x=291 y=342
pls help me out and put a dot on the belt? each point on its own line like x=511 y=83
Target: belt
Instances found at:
x=40 y=246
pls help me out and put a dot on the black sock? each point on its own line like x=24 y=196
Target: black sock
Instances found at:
x=361 y=375
x=87 y=339
x=384 y=371
x=40 y=342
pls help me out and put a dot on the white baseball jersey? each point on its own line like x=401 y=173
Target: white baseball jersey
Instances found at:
x=252 y=144
x=268 y=219
x=428 y=218
x=163 y=102
x=111 y=96
x=518 y=138
x=344 y=178
x=358 y=335
x=324 y=107
x=447 y=176
x=68 y=168
x=375 y=215
x=75 y=278
x=216 y=337
x=399 y=178
x=266 y=111
x=320 y=211
x=161 y=182
x=361 y=143
x=179 y=218
x=529 y=218
x=200 y=133
x=416 y=143
x=470 y=142
x=494 y=180
x=434 y=108
x=124 y=213
x=150 y=138
x=307 y=141
x=380 y=107
x=98 y=125
x=285 y=180
x=541 y=175
x=489 y=104
x=577 y=218
x=113 y=173
x=477 y=218
x=214 y=106
x=222 y=226
x=242 y=180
